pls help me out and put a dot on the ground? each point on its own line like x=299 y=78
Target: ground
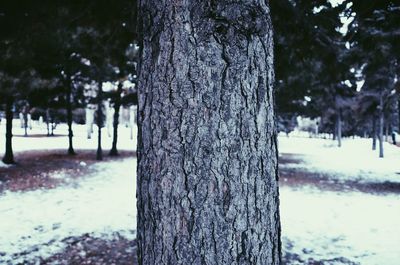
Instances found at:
x=338 y=205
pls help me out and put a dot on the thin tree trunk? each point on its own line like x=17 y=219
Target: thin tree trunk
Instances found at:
x=117 y=107
x=9 y=156
x=374 y=132
x=339 y=128
x=48 y=121
x=25 y=122
x=381 y=120
x=99 y=154
x=207 y=184
x=71 y=150
x=387 y=129
x=334 y=131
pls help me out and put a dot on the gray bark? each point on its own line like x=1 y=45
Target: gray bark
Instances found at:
x=207 y=182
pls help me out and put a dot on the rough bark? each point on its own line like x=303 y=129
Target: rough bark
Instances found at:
x=374 y=132
x=99 y=153
x=71 y=150
x=207 y=184
x=117 y=107
x=9 y=156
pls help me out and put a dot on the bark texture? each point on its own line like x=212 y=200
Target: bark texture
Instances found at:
x=207 y=155
x=9 y=156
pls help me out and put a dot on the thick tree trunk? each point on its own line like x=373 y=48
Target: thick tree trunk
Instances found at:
x=99 y=154
x=207 y=183
x=339 y=128
x=117 y=107
x=374 y=132
x=71 y=150
x=381 y=120
x=9 y=156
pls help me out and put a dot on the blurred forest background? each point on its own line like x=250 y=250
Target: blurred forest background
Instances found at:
x=336 y=62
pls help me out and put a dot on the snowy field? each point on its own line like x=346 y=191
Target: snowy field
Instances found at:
x=101 y=204
x=354 y=160
x=318 y=226
x=341 y=227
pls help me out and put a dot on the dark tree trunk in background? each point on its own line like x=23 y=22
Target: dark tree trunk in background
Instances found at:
x=25 y=116
x=99 y=154
x=117 y=106
x=9 y=156
x=387 y=128
x=374 y=132
x=207 y=183
x=69 y=117
x=48 y=121
x=381 y=120
x=339 y=127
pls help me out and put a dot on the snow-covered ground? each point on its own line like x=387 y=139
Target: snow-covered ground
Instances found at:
x=102 y=203
x=354 y=160
x=36 y=139
x=331 y=227
x=341 y=227
x=36 y=221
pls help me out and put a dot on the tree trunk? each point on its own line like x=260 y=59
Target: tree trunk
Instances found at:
x=99 y=154
x=71 y=150
x=207 y=183
x=9 y=156
x=25 y=122
x=386 y=129
x=48 y=121
x=381 y=120
x=339 y=128
x=374 y=132
x=117 y=106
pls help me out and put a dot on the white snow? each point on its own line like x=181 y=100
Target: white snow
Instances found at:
x=37 y=138
x=320 y=225
x=317 y=224
x=325 y=225
x=100 y=204
x=354 y=160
